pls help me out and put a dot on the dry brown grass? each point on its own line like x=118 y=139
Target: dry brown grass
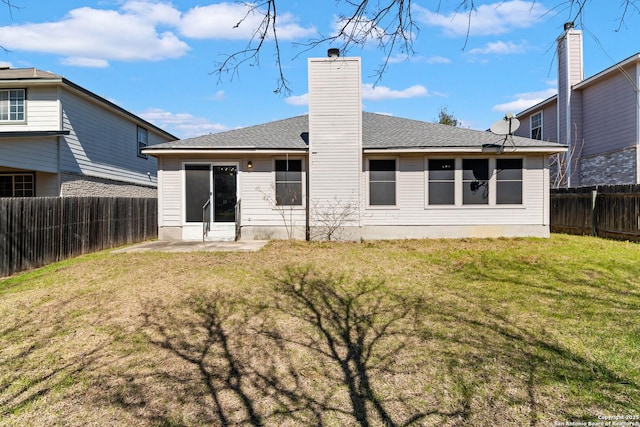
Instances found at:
x=456 y=332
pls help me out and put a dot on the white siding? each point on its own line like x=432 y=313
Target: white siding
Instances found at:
x=170 y=192
x=335 y=131
x=42 y=111
x=36 y=154
x=257 y=192
x=103 y=143
x=411 y=209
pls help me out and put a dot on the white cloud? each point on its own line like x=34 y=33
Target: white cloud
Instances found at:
x=371 y=93
x=395 y=59
x=85 y=62
x=153 y=13
x=297 y=99
x=183 y=125
x=524 y=101
x=438 y=60
x=487 y=19
x=219 y=96
x=91 y=37
x=139 y=30
x=4 y=64
x=220 y=21
x=379 y=93
x=500 y=48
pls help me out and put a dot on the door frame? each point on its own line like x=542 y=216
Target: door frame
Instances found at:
x=211 y=164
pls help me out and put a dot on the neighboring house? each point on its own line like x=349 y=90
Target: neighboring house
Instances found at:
x=341 y=173
x=598 y=117
x=59 y=139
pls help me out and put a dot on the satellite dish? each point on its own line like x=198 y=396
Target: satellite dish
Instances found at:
x=506 y=126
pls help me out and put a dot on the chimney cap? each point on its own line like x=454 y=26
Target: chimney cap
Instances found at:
x=568 y=26
x=333 y=52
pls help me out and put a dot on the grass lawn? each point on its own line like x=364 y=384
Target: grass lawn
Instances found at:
x=492 y=332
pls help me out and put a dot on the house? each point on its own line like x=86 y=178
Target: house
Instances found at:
x=597 y=117
x=341 y=173
x=59 y=139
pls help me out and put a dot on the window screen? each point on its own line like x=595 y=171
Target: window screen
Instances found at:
x=509 y=181
x=441 y=181
x=382 y=182
x=475 y=181
x=289 y=182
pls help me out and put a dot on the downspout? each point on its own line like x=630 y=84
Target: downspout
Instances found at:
x=58 y=165
x=307 y=228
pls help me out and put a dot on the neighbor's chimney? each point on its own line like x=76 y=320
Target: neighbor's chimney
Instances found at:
x=570 y=72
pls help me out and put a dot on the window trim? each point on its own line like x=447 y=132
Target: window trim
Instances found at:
x=302 y=204
x=459 y=182
x=141 y=145
x=14 y=174
x=8 y=101
x=395 y=205
x=531 y=128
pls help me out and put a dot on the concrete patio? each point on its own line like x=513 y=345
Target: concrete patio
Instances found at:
x=194 y=246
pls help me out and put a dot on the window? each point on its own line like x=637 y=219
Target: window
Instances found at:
x=475 y=181
x=536 y=126
x=382 y=182
x=143 y=141
x=442 y=181
x=509 y=181
x=17 y=185
x=12 y=105
x=289 y=182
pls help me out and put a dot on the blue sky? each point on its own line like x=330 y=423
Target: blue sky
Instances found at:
x=156 y=58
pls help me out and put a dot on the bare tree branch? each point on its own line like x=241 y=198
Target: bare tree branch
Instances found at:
x=389 y=23
x=251 y=54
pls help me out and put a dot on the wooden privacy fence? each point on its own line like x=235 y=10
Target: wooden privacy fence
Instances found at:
x=611 y=211
x=41 y=230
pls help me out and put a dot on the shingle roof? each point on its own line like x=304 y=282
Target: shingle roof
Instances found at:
x=380 y=131
x=287 y=134
x=26 y=73
x=10 y=75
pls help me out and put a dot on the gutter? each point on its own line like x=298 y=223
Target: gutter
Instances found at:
x=484 y=149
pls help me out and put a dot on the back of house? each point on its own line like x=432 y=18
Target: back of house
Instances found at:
x=341 y=173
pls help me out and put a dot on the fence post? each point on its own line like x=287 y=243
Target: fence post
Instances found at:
x=594 y=225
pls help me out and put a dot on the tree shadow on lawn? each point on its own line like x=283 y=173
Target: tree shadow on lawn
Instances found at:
x=42 y=364
x=326 y=350
x=526 y=342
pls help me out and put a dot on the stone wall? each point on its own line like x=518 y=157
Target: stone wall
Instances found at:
x=78 y=185
x=618 y=167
